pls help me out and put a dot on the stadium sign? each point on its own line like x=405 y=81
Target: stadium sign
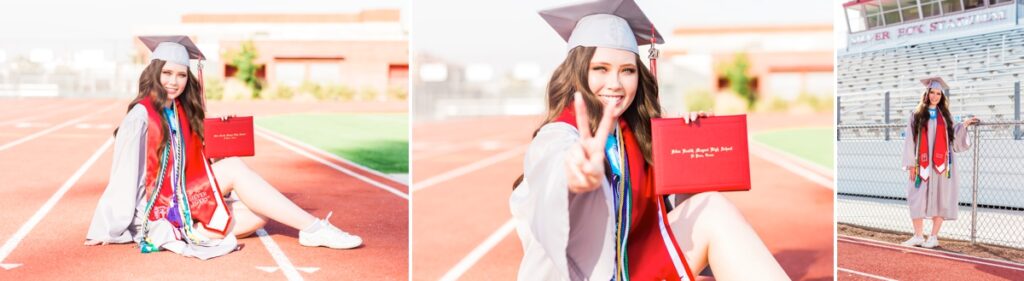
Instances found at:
x=986 y=18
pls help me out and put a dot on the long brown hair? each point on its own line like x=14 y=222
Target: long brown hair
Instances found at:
x=572 y=76
x=190 y=99
x=921 y=115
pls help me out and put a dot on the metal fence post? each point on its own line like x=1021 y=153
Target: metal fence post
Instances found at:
x=974 y=188
x=1016 y=110
x=838 y=106
x=885 y=107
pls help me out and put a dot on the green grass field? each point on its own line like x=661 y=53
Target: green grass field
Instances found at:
x=811 y=144
x=377 y=141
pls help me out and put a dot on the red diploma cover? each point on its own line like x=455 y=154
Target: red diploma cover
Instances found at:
x=707 y=155
x=230 y=136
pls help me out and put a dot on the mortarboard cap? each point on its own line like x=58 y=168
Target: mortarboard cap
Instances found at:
x=618 y=24
x=175 y=48
x=935 y=83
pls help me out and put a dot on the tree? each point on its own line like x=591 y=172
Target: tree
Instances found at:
x=739 y=81
x=244 y=62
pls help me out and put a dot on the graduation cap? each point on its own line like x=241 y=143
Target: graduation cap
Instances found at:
x=177 y=49
x=935 y=83
x=618 y=24
x=174 y=48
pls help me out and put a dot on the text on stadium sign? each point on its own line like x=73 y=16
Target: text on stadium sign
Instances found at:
x=940 y=25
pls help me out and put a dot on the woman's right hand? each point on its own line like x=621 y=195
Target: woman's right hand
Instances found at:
x=584 y=165
x=913 y=173
x=971 y=121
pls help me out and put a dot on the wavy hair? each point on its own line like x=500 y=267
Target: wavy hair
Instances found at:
x=190 y=99
x=572 y=76
x=921 y=115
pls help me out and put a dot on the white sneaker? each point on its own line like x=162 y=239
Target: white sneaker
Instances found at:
x=932 y=242
x=914 y=241
x=329 y=236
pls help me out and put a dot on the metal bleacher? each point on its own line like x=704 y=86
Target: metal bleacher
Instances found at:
x=980 y=69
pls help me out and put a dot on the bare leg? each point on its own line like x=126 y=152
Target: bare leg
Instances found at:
x=258 y=196
x=711 y=230
x=936 y=225
x=918 y=227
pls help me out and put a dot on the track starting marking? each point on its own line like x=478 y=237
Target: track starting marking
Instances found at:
x=9 y=266
x=272 y=269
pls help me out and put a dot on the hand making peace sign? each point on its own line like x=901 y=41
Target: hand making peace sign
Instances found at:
x=584 y=166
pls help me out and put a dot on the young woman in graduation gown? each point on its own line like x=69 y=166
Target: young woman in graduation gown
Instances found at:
x=932 y=138
x=585 y=207
x=164 y=193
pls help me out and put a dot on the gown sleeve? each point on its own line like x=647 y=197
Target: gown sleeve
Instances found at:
x=536 y=205
x=115 y=211
x=544 y=212
x=961 y=139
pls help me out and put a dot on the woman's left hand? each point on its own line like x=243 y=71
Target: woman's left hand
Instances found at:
x=692 y=116
x=971 y=121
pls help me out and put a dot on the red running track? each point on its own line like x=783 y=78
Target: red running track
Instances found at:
x=862 y=259
x=469 y=165
x=34 y=170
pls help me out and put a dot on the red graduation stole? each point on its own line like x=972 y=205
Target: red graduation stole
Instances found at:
x=205 y=201
x=941 y=152
x=652 y=249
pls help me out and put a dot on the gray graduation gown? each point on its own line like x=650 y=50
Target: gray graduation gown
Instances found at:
x=939 y=196
x=121 y=208
x=565 y=236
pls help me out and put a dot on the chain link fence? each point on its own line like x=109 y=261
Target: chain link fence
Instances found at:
x=872 y=186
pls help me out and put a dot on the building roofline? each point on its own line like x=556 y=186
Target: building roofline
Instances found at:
x=753 y=29
x=377 y=15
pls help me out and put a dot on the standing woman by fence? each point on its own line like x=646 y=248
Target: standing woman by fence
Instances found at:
x=931 y=139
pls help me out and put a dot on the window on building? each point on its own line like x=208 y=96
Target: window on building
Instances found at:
x=891 y=12
x=908 y=8
x=325 y=72
x=996 y=2
x=930 y=8
x=973 y=4
x=874 y=15
x=855 y=16
x=723 y=83
x=231 y=71
x=951 y=6
x=398 y=76
x=291 y=74
x=892 y=17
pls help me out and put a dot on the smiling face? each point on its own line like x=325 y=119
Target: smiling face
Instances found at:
x=613 y=77
x=173 y=77
x=934 y=97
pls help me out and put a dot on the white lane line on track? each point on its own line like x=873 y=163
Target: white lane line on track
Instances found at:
x=780 y=160
x=260 y=132
x=434 y=149
x=279 y=257
x=24 y=110
x=329 y=155
x=46 y=113
x=12 y=242
x=469 y=168
x=290 y=271
x=930 y=253
x=869 y=275
x=51 y=129
x=492 y=240
x=479 y=251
